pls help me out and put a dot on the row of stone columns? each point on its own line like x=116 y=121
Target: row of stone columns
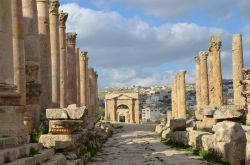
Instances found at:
x=209 y=79
x=39 y=64
x=179 y=96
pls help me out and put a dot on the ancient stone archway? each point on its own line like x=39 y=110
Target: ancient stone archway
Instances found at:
x=122 y=107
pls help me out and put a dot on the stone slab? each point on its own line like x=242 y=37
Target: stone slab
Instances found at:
x=178 y=124
x=56 y=114
x=229 y=112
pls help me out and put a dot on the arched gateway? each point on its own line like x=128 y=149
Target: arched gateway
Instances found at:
x=122 y=107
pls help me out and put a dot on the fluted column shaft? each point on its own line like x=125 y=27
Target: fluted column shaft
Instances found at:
x=215 y=80
x=204 y=79
x=237 y=66
x=198 y=82
x=83 y=80
x=62 y=40
x=71 y=68
x=18 y=50
x=55 y=54
x=45 y=52
x=78 y=76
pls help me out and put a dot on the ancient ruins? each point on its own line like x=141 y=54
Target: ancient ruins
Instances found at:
x=218 y=128
x=122 y=107
x=45 y=82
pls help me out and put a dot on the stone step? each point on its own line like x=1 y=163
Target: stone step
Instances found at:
x=8 y=142
x=43 y=156
x=11 y=154
x=58 y=159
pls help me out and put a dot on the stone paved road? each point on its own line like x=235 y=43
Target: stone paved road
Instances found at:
x=139 y=145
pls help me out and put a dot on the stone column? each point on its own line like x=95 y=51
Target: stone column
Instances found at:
x=11 y=118
x=55 y=54
x=178 y=95
x=18 y=49
x=88 y=90
x=182 y=96
x=96 y=95
x=246 y=92
x=198 y=82
x=62 y=40
x=215 y=72
x=77 y=76
x=204 y=101
x=83 y=81
x=71 y=68
x=92 y=92
x=32 y=64
x=237 y=65
x=174 y=99
x=45 y=63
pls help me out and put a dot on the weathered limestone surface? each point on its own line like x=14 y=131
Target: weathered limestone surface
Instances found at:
x=204 y=100
x=78 y=76
x=83 y=81
x=55 y=52
x=174 y=99
x=71 y=96
x=229 y=112
x=195 y=138
x=246 y=92
x=182 y=96
x=237 y=66
x=247 y=159
x=215 y=79
x=178 y=125
x=62 y=38
x=45 y=53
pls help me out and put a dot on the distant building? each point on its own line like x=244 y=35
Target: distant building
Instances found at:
x=149 y=115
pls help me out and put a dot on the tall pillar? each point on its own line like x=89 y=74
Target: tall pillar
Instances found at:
x=174 y=99
x=88 y=91
x=55 y=54
x=182 y=97
x=92 y=91
x=45 y=64
x=62 y=40
x=96 y=95
x=83 y=81
x=71 y=68
x=178 y=95
x=77 y=76
x=237 y=65
x=215 y=80
x=204 y=78
x=18 y=50
x=32 y=64
x=11 y=118
x=198 y=82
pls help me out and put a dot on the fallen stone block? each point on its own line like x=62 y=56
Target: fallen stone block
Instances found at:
x=195 y=138
x=229 y=112
x=57 y=114
x=178 y=125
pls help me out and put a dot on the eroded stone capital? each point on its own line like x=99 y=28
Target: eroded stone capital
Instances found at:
x=215 y=44
x=71 y=38
x=197 y=60
x=203 y=55
x=84 y=55
x=182 y=72
x=63 y=16
x=54 y=7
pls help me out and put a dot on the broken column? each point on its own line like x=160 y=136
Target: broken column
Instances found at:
x=71 y=96
x=45 y=63
x=237 y=65
x=32 y=62
x=11 y=118
x=182 y=94
x=174 y=99
x=62 y=38
x=55 y=54
x=83 y=81
x=198 y=81
x=204 y=101
x=215 y=79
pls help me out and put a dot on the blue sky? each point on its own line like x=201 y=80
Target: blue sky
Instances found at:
x=144 y=42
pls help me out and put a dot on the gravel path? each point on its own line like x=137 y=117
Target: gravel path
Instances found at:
x=139 y=145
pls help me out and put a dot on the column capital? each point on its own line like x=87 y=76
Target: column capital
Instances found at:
x=197 y=60
x=84 y=55
x=54 y=7
x=214 y=44
x=63 y=16
x=71 y=38
x=203 y=55
x=182 y=72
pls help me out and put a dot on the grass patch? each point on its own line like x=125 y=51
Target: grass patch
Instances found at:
x=33 y=151
x=35 y=134
x=209 y=156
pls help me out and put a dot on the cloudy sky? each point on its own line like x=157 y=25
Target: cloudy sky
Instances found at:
x=144 y=42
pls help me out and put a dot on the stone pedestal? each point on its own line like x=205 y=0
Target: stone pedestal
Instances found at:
x=237 y=65
x=62 y=37
x=215 y=79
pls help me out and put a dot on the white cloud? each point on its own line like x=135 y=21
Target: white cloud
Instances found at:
x=128 y=47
